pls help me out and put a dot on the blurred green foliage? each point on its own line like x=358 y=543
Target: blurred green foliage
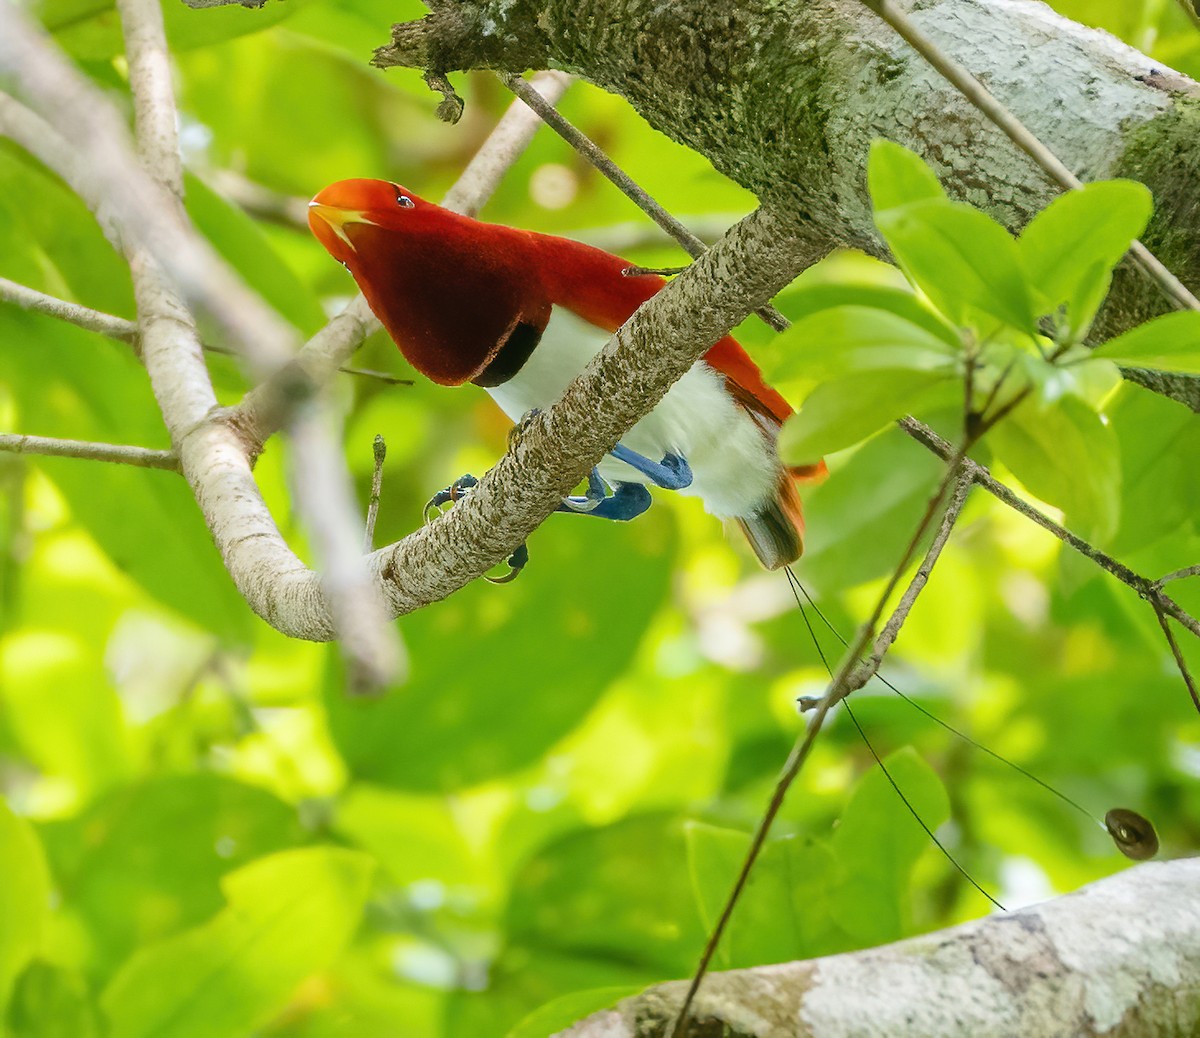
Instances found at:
x=202 y=835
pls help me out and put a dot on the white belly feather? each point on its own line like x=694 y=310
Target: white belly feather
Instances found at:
x=734 y=467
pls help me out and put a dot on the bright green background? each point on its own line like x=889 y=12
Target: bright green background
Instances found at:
x=549 y=813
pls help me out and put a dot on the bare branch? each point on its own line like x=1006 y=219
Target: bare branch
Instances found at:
x=126 y=331
x=48 y=446
x=380 y=453
x=1180 y=662
x=891 y=629
x=1180 y=574
x=171 y=353
x=82 y=316
x=512 y=134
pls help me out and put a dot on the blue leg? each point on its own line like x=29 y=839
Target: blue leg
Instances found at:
x=672 y=473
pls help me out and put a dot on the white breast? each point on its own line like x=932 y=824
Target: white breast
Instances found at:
x=734 y=466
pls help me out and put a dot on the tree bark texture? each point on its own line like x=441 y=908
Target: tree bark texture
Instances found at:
x=1119 y=958
x=785 y=96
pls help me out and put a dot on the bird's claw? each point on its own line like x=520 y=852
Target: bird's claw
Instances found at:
x=450 y=495
x=516 y=563
x=454 y=493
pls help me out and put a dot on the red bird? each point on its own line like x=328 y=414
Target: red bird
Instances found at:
x=521 y=314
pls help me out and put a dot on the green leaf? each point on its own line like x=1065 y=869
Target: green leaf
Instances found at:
x=565 y=1010
x=1167 y=343
x=1159 y=441
x=779 y=916
x=24 y=898
x=500 y=674
x=289 y=916
x=845 y=340
x=78 y=735
x=130 y=886
x=804 y=301
x=878 y=842
x=1068 y=457
x=897 y=176
x=860 y=519
x=1079 y=237
x=962 y=259
x=846 y=410
x=586 y=894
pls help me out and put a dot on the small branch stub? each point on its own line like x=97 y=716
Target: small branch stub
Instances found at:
x=450 y=109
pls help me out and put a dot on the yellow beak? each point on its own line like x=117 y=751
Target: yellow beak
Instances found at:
x=336 y=218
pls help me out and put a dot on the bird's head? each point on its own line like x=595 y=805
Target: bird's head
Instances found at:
x=338 y=214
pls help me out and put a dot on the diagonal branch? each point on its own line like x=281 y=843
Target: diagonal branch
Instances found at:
x=1148 y=589
x=918 y=430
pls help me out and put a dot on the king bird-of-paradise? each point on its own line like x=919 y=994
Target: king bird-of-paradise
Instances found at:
x=521 y=314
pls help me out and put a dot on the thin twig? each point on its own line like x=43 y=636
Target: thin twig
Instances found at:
x=380 y=451
x=1016 y=131
x=52 y=447
x=1180 y=574
x=852 y=673
x=83 y=317
x=1180 y=662
x=891 y=629
x=692 y=245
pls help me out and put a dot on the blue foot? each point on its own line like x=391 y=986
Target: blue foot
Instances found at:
x=672 y=473
x=627 y=501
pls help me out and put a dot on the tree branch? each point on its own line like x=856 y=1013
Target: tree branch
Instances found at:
x=794 y=114
x=918 y=430
x=1107 y=959
x=47 y=446
x=1016 y=131
x=173 y=359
